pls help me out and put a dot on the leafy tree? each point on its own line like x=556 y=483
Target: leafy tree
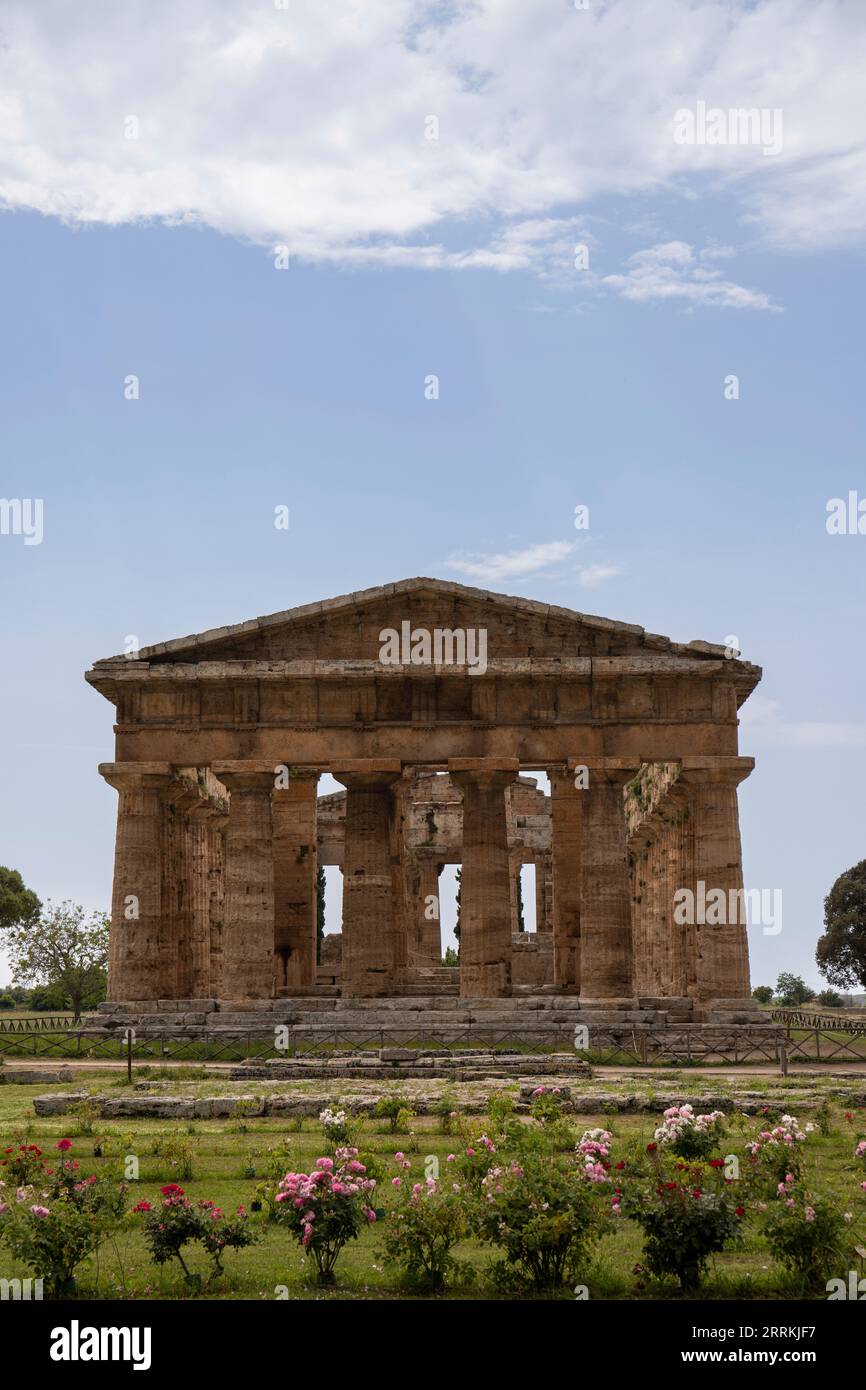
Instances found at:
x=48 y=999
x=793 y=990
x=67 y=951
x=830 y=999
x=841 y=952
x=19 y=906
x=763 y=994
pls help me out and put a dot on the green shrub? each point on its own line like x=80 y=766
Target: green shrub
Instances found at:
x=545 y=1217
x=397 y=1110
x=683 y=1223
x=807 y=1237
x=421 y=1229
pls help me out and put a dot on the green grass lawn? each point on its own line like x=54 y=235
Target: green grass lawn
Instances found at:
x=226 y=1154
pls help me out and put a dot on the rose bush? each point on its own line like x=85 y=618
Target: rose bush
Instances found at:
x=327 y=1207
x=426 y=1221
x=687 y=1213
x=543 y=1214
x=174 y=1222
x=689 y=1135
x=59 y=1217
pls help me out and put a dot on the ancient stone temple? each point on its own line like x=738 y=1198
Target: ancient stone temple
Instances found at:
x=441 y=710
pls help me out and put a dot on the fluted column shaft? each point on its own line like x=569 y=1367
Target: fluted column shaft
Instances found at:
x=606 y=964
x=373 y=889
x=248 y=935
x=136 y=902
x=485 y=889
x=566 y=843
x=295 y=865
x=722 y=957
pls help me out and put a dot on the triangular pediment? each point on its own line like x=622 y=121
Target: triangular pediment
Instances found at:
x=349 y=627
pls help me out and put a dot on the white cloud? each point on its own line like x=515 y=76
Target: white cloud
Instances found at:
x=593 y=575
x=307 y=125
x=763 y=719
x=673 y=271
x=515 y=562
x=532 y=559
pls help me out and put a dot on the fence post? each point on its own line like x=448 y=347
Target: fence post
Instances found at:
x=129 y=1055
x=817 y=1044
x=783 y=1058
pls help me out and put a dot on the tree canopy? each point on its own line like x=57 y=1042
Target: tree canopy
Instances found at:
x=792 y=989
x=19 y=905
x=67 y=951
x=841 y=951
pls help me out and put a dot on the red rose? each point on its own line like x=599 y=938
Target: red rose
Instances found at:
x=171 y=1189
x=741 y=1211
x=620 y=1165
x=651 y=1148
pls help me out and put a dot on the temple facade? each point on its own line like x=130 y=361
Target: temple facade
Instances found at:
x=432 y=704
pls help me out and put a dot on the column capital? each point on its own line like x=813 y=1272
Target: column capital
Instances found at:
x=614 y=771
x=239 y=777
x=721 y=771
x=368 y=774
x=137 y=776
x=490 y=773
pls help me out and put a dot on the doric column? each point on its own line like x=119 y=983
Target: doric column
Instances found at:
x=248 y=934
x=485 y=894
x=133 y=969
x=217 y=827
x=205 y=860
x=515 y=864
x=174 y=925
x=373 y=890
x=542 y=891
x=566 y=854
x=422 y=896
x=187 y=970
x=606 y=964
x=722 y=960
x=295 y=865
x=639 y=849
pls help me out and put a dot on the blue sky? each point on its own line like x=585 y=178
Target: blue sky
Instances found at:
x=305 y=387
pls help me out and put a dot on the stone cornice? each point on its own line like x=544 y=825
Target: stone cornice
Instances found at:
x=127 y=670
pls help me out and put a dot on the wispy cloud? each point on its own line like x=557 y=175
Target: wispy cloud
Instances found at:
x=673 y=271
x=763 y=718
x=545 y=557
x=594 y=575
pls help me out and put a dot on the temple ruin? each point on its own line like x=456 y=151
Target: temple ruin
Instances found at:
x=222 y=737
